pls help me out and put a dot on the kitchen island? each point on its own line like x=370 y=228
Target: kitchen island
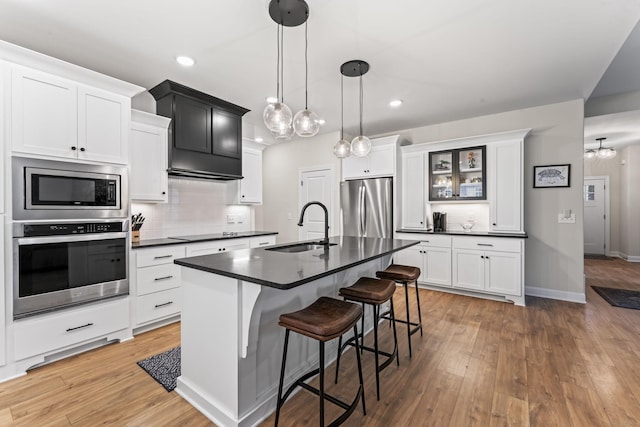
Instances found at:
x=231 y=341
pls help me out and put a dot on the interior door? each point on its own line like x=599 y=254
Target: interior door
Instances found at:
x=315 y=185
x=594 y=216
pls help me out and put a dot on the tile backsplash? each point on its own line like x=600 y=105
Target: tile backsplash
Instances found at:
x=195 y=207
x=458 y=214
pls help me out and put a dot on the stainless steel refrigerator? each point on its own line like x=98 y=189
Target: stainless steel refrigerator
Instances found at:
x=366 y=207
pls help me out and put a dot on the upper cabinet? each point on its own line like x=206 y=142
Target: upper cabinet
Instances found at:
x=412 y=190
x=205 y=132
x=149 y=145
x=506 y=182
x=457 y=174
x=55 y=116
x=380 y=161
x=248 y=190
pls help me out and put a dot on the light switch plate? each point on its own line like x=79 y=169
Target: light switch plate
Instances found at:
x=231 y=219
x=566 y=220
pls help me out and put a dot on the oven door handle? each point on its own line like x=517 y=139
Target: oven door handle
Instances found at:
x=72 y=238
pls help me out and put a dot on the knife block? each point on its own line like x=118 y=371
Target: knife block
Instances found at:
x=135 y=236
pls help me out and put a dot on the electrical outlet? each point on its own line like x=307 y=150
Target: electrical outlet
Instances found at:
x=563 y=219
x=231 y=219
x=289 y=216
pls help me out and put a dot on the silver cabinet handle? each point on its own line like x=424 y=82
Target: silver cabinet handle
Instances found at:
x=164 y=304
x=162 y=278
x=79 y=327
x=484 y=244
x=263 y=243
x=162 y=256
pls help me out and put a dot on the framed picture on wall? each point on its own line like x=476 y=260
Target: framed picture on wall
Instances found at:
x=551 y=176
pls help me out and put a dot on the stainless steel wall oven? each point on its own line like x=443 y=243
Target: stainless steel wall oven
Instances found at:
x=65 y=264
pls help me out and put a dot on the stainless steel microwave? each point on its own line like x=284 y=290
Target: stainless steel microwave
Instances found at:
x=46 y=189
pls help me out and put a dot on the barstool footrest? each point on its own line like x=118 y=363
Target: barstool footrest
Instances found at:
x=384 y=364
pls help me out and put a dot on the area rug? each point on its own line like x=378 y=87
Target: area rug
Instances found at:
x=619 y=297
x=596 y=256
x=163 y=367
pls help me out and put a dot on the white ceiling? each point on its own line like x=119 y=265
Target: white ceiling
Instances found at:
x=445 y=60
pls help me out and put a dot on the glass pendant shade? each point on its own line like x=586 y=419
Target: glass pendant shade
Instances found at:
x=342 y=149
x=277 y=116
x=306 y=123
x=606 y=153
x=589 y=154
x=283 y=134
x=360 y=146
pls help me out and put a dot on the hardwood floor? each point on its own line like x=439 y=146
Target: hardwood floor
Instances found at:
x=479 y=363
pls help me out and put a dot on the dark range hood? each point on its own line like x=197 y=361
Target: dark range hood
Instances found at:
x=205 y=135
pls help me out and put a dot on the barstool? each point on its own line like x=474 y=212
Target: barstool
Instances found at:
x=404 y=274
x=373 y=292
x=323 y=320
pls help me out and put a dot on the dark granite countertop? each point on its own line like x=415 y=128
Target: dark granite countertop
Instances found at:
x=198 y=238
x=283 y=270
x=465 y=233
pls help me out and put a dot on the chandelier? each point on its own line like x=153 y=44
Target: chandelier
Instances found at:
x=601 y=152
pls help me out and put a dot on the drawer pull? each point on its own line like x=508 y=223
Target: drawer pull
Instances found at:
x=80 y=327
x=163 y=278
x=162 y=305
x=484 y=244
x=263 y=243
x=162 y=256
x=426 y=241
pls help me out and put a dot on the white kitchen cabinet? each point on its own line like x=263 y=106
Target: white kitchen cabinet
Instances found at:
x=148 y=142
x=262 y=241
x=54 y=116
x=490 y=265
x=432 y=256
x=217 y=246
x=3 y=348
x=506 y=183
x=380 y=161
x=248 y=190
x=413 y=190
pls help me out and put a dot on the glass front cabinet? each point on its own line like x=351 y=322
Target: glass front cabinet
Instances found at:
x=458 y=174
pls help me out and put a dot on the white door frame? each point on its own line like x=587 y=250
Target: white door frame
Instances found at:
x=607 y=212
x=332 y=174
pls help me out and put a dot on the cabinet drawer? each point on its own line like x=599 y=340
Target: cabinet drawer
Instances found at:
x=157 y=278
x=164 y=255
x=260 y=242
x=437 y=241
x=488 y=243
x=158 y=305
x=59 y=330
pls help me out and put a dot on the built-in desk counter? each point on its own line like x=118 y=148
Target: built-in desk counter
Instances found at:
x=231 y=341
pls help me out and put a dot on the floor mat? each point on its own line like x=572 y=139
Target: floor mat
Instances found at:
x=163 y=367
x=619 y=297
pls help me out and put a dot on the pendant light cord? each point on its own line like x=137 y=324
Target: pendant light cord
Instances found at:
x=278 y=63
x=361 y=100
x=282 y=60
x=306 y=65
x=341 y=106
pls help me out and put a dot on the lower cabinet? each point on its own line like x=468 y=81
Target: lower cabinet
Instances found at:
x=217 y=246
x=433 y=257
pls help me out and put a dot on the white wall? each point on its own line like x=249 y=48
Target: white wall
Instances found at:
x=627 y=101
x=554 y=252
x=612 y=169
x=281 y=167
x=195 y=207
x=630 y=203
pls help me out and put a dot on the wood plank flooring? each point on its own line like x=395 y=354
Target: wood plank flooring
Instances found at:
x=479 y=363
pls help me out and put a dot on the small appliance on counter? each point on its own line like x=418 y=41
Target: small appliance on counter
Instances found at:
x=439 y=221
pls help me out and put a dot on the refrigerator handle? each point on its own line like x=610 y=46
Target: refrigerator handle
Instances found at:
x=362 y=213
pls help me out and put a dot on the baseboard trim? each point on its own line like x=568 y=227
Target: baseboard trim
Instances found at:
x=555 y=294
x=629 y=258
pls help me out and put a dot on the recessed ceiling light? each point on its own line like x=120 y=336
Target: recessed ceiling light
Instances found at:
x=185 y=61
x=321 y=121
x=395 y=103
x=258 y=139
x=272 y=99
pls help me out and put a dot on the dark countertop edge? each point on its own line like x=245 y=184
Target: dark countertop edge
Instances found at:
x=164 y=241
x=464 y=233
x=291 y=285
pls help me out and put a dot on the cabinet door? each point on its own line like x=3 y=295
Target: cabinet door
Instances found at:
x=3 y=353
x=437 y=266
x=412 y=256
x=354 y=167
x=413 y=180
x=471 y=179
x=192 y=125
x=44 y=114
x=381 y=160
x=103 y=126
x=441 y=175
x=505 y=185
x=468 y=269
x=148 y=163
x=503 y=273
x=251 y=184
x=227 y=134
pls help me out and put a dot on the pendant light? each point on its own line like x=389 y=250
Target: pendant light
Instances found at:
x=342 y=148
x=306 y=123
x=361 y=145
x=286 y=13
x=601 y=153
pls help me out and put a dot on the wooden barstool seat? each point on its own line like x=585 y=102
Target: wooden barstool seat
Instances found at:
x=374 y=292
x=323 y=320
x=404 y=274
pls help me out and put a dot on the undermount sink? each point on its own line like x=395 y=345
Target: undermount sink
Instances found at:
x=301 y=247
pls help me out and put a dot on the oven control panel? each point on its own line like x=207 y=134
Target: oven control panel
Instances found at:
x=61 y=229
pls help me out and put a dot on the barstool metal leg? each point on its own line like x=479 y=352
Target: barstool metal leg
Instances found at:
x=406 y=300
x=419 y=311
x=321 y=367
x=395 y=336
x=376 y=312
x=280 y=384
x=364 y=410
x=338 y=358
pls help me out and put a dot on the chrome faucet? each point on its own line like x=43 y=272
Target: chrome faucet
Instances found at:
x=326 y=219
